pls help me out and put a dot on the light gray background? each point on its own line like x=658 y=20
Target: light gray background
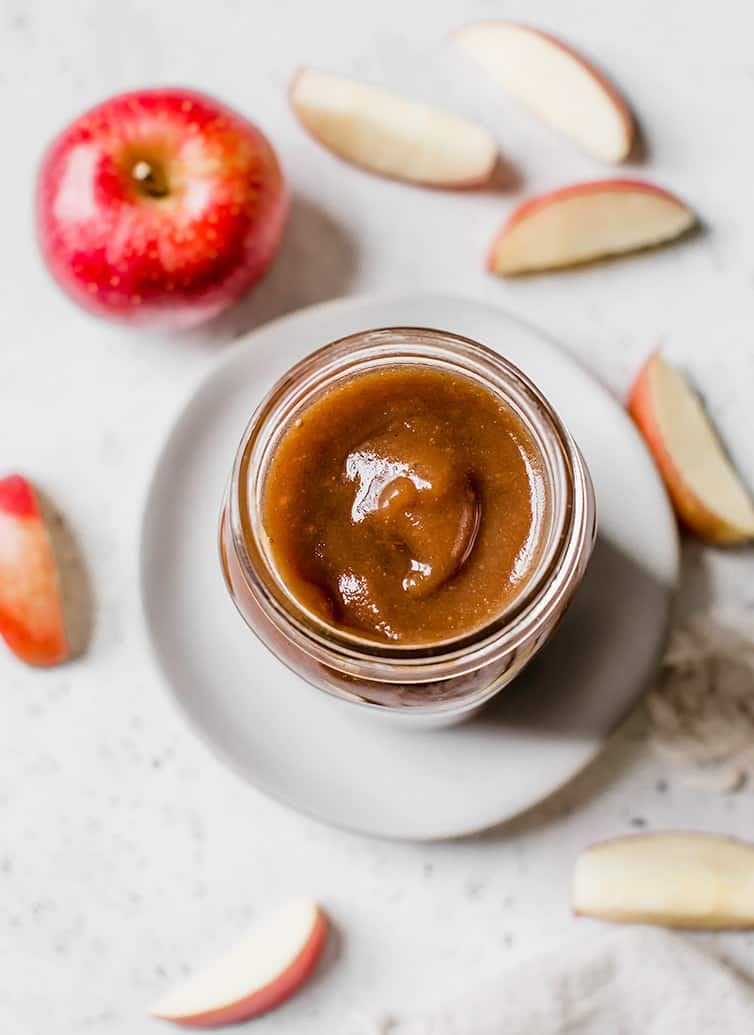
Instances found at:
x=127 y=854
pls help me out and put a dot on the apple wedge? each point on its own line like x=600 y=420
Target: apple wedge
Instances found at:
x=707 y=494
x=264 y=968
x=584 y=222
x=390 y=135
x=31 y=608
x=553 y=82
x=675 y=880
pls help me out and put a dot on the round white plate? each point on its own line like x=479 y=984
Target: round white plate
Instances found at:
x=299 y=746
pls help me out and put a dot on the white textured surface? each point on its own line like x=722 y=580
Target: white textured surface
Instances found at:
x=638 y=982
x=126 y=852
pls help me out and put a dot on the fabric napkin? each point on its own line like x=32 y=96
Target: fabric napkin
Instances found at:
x=639 y=981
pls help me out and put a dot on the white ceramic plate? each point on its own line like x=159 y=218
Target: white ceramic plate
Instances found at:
x=299 y=746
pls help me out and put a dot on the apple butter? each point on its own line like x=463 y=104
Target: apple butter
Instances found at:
x=404 y=505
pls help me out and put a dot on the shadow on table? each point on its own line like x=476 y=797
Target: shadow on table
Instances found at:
x=316 y=262
x=588 y=648
x=506 y=178
x=583 y=646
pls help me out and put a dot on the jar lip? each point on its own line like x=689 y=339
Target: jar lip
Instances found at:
x=349 y=356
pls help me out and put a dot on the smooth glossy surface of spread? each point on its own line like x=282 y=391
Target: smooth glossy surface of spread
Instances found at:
x=404 y=505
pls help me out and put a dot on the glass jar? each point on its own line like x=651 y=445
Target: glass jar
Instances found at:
x=426 y=685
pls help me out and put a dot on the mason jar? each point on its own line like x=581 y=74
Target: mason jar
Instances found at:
x=416 y=685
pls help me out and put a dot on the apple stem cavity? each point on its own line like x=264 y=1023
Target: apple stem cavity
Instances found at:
x=150 y=178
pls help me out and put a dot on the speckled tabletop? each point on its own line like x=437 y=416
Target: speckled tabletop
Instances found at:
x=127 y=853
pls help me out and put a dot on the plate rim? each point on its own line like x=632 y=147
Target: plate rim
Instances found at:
x=215 y=371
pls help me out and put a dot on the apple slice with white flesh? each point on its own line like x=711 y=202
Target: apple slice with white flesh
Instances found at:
x=264 y=968
x=554 y=82
x=707 y=494
x=31 y=605
x=587 y=221
x=391 y=135
x=669 y=879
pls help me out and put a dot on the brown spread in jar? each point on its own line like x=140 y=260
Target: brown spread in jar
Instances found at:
x=404 y=505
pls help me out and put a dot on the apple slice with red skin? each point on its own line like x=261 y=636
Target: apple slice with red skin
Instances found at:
x=391 y=135
x=554 y=82
x=671 y=879
x=587 y=221
x=159 y=207
x=707 y=494
x=263 y=969
x=31 y=608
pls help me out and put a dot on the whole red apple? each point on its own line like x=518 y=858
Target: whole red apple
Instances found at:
x=159 y=207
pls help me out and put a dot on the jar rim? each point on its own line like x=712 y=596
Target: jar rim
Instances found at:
x=569 y=490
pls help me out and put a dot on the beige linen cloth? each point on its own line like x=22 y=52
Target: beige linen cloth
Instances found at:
x=638 y=981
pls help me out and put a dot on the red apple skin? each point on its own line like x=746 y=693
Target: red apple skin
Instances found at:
x=272 y=995
x=31 y=608
x=532 y=205
x=690 y=510
x=172 y=260
x=17 y=498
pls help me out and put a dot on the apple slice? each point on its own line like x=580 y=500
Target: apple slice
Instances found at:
x=675 y=880
x=265 y=967
x=31 y=608
x=390 y=135
x=555 y=83
x=587 y=221
x=708 y=495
